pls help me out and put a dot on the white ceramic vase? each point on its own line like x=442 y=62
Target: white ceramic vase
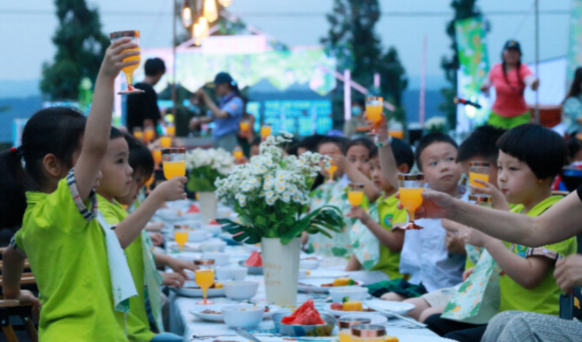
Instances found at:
x=208 y=206
x=281 y=270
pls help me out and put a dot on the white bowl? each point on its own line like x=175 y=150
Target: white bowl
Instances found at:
x=355 y=293
x=231 y=273
x=243 y=315
x=197 y=236
x=241 y=290
x=213 y=229
x=309 y=264
x=214 y=246
x=220 y=259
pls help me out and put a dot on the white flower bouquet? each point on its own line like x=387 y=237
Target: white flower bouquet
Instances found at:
x=206 y=166
x=270 y=195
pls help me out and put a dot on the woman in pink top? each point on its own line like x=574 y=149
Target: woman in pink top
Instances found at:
x=510 y=79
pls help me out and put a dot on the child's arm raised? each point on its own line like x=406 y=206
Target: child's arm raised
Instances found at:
x=387 y=160
x=393 y=239
x=130 y=228
x=98 y=125
x=370 y=190
x=527 y=272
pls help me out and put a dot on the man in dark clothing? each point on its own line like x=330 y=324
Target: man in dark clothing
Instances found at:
x=142 y=109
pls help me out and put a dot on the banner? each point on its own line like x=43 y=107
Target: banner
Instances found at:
x=575 y=40
x=473 y=70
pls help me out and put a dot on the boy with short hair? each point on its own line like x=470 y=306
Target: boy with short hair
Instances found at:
x=376 y=243
x=424 y=256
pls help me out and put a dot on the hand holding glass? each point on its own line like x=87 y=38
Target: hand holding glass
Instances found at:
x=128 y=71
x=174 y=162
x=411 y=187
x=138 y=133
x=238 y=153
x=374 y=107
x=478 y=170
x=265 y=131
x=356 y=194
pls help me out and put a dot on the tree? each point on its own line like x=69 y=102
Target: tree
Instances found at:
x=353 y=41
x=464 y=9
x=80 y=49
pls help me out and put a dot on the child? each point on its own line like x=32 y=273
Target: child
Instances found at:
x=65 y=245
x=338 y=248
x=358 y=154
x=480 y=146
x=142 y=163
x=525 y=178
x=386 y=216
x=424 y=256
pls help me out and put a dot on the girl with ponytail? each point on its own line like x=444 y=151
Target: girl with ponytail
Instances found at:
x=510 y=78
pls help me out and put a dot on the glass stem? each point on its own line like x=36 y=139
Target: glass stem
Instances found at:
x=204 y=295
x=129 y=78
x=410 y=216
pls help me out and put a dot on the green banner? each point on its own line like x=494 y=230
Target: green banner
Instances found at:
x=473 y=70
x=575 y=40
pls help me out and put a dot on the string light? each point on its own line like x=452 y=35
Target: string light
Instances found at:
x=210 y=10
x=186 y=16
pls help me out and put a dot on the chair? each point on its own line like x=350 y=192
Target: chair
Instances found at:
x=11 y=307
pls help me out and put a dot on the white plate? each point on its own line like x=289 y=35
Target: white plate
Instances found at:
x=197 y=311
x=398 y=308
x=326 y=274
x=374 y=318
x=196 y=292
x=316 y=285
x=338 y=313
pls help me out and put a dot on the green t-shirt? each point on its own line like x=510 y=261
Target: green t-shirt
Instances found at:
x=545 y=298
x=389 y=214
x=68 y=257
x=138 y=326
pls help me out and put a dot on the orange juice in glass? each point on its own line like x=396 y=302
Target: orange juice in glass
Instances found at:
x=166 y=142
x=478 y=170
x=238 y=153
x=149 y=134
x=374 y=106
x=181 y=237
x=411 y=187
x=149 y=182
x=128 y=71
x=356 y=194
x=332 y=169
x=204 y=278
x=174 y=162
x=265 y=131
x=138 y=133
x=157 y=154
x=171 y=130
x=244 y=126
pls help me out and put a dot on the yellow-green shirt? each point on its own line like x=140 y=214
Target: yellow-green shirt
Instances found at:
x=389 y=214
x=65 y=246
x=138 y=326
x=545 y=298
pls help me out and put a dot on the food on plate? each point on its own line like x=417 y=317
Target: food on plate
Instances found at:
x=193 y=209
x=216 y=286
x=306 y=314
x=210 y=312
x=391 y=339
x=308 y=272
x=344 y=281
x=353 y=306
x=255 y=260
x=350 y=306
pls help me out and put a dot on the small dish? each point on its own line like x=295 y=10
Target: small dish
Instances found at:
x=242 y=315
x=241 y=290
x=304 y=330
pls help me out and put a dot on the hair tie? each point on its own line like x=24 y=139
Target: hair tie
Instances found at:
x=17 y=151
x=14 y=149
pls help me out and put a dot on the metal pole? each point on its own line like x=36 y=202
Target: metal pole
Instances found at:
x=347 y=95
x=174 y=99
x=537 y=37
x=421 y=100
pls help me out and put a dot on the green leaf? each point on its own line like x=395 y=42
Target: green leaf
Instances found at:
x=345 y=299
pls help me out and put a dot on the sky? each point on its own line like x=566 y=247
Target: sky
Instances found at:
x=26 y=28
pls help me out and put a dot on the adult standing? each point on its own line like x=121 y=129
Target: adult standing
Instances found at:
x=357 y=124
x=572 y=109
x=510 y=78
x=142 y=109
x=226 y=115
